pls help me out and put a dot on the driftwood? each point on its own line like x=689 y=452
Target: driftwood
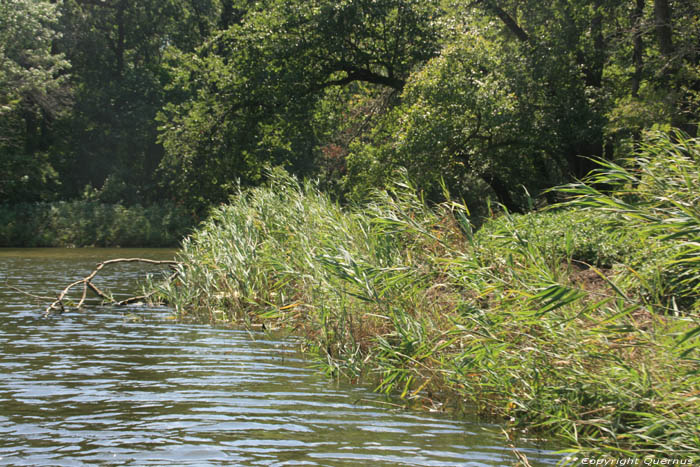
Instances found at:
x=36 y=297
x=86 y=282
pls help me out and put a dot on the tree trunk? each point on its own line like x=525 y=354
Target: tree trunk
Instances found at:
x=662 y=25
x=121 y=37
x=638 y=47
x=500 y=188
x=599 y=58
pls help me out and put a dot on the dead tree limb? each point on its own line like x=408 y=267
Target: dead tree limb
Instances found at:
x=37 y=297
x=146 y=296
x=58 y=304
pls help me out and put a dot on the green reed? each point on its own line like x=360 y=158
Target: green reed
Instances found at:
x=580 y=321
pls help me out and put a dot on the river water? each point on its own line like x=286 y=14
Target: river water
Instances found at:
x=129 y=386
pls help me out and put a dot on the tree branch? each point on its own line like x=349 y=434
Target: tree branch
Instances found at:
x=37 y=297
x=87 y=284
x=508 y=20
x=360 y=74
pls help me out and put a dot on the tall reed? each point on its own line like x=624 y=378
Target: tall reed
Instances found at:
x=546 y=319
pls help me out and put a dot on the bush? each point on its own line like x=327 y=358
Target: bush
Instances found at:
x=90 y=223
x=566 y=234
x=654 y=194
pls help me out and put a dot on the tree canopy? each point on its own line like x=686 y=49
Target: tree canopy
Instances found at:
x=187 y=99
x=32 y=95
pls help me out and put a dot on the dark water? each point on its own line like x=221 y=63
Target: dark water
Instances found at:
x=128 y=386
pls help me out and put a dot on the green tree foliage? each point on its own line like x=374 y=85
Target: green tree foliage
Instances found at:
x=32 y=95
x=253 y=90
x=654 y=72
x=523 y=95
x=493 y=112
x=116 y=48
x=184 y=99
x=468 y=117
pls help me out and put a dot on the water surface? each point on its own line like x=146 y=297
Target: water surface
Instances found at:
x=128 y=386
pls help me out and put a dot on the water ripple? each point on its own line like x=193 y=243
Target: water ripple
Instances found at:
x=96 y=388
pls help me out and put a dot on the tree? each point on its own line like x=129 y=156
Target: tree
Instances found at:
x=252 y=92
x=654 y=69
x=471 y=118
x=525 y=95
x=117 y=51
x=32 y=96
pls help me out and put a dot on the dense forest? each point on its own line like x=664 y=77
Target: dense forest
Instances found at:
x=182 y=101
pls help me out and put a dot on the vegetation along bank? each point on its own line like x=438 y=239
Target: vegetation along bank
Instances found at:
x=579 y=321
x=92 y=223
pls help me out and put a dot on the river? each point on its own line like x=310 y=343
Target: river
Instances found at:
x=129 y=386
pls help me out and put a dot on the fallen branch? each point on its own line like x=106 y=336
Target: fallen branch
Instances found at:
x=17 y=289
x=106 y=298
x=139 y=298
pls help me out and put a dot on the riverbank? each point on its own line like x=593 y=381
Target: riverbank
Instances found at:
x=113 y=386
x=91 y=223
x=579 y=322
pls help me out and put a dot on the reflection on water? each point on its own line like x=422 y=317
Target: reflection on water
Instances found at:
x=105 y=387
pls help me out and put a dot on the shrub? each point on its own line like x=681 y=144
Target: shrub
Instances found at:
x=566 y=234
x=655 y=194
x=90 y=223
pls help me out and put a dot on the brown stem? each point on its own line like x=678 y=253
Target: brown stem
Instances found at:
x=82 y=299
x=98 y=292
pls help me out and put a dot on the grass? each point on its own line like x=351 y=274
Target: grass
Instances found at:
x=90 y=223
x=579 y=322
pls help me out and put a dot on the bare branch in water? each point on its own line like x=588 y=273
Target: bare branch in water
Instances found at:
x=37 y=297
x=87 y=284
x=146 y=296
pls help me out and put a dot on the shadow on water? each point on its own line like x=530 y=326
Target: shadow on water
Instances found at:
x=130 y=387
